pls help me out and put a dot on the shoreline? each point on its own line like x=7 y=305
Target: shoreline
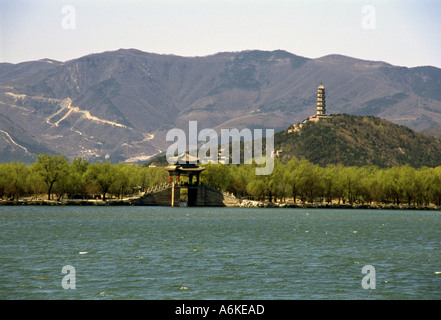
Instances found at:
x=124 y=202
x=243 y=204
x=257 y=204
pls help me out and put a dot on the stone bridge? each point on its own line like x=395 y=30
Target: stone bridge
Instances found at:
x=198 y=196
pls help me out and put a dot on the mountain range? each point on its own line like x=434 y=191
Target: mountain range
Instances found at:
x=118 y=106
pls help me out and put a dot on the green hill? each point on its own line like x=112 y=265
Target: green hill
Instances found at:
x=357 y=141
x=353 y=141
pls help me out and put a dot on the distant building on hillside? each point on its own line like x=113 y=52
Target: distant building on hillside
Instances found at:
x=321 y=101
x=321 y=110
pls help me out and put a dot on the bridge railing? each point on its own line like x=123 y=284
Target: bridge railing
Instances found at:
x=157 y=188
x=166 y=185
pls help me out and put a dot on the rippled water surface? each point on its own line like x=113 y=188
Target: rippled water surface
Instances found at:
x=218 y=253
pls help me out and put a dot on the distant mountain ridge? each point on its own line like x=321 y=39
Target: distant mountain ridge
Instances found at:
x=118 y=105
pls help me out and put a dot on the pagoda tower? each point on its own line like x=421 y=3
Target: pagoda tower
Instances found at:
x=321 y=101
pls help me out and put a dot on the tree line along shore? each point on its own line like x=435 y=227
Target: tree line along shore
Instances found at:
x=295 y=183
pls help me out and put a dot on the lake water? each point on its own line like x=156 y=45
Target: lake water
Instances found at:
x=218 y=253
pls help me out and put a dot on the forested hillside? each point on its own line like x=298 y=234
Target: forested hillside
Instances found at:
x=358 y=141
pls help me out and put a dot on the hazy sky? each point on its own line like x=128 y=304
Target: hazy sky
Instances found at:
x=401 y=32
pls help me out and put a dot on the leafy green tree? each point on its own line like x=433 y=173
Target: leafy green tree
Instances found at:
x=391 y=186
x=309 y=181
x=18 y=171
x=34 y=184
x=368 y=188
x=103 y=175
x=125 y=179
x=143 y=174
x=77 y=181
x=331 y=188
x=336 y=173
x=292 y=177
x=51 y=169
x=277 y=183
x=149 y=176
x=349 y=181
x=409 y=183
x=314 y=182
x=327 y=183
x=6 y=180
x=217 y=176
x=3 y=179
x=258 y=187
x=434 y=181
x=430 y=181
x=13 y=179
x=241 y=176
x=158 y=175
